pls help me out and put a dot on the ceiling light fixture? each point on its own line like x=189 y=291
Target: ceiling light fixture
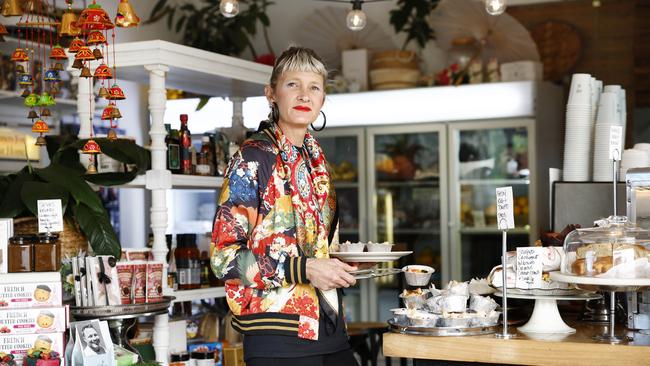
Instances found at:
x=495 y=7
x=356 y=19
x=229 y=8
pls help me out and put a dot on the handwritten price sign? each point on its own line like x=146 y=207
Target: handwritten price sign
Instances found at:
x=529 y=267
x=505 y=217
x=50 y=216
x=615 y=139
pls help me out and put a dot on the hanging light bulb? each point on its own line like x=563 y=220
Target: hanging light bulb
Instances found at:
x=495 y=7
x=356 y=19
x=229 y=8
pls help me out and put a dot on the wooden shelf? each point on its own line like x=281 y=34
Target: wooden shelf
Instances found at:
x=180 y=181
x=491 y=230
x=198 y=294
x=411 y=183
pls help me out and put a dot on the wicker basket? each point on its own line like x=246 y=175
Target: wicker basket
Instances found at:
x=394 y=70
x=72 y=240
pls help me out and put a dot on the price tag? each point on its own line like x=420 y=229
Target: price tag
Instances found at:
x=505 y=217
x=615 y=139
x=529 y=267
x=50 y=216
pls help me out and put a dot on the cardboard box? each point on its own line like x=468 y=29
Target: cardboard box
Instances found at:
x=521 y=71
x=233 y=355
x=33 y=320
x=21 y=294
x=355 y=67
x=215 y=347
x=6 y=232
x=18 y=344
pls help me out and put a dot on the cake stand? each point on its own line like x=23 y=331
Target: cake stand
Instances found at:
x=611 y=285
x=546 y=317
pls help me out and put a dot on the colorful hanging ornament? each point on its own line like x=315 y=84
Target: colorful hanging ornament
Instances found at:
x=40 y=127
x=126 y=16
x=112 y=135
x=85 y=72
x=46 y=100
x=75 y=45
x=94 y=18
x=84 y=54
x=3 y=32
x=58 y=53
x=31 y=100
x=12 y=8
x=97 y=53
x=68 y=23
x=25 y=93
x=19 y=55
x=45 y=112
x=91 y=148
x=25 y=80
x=103 y=92
x=19 y=69
x=32 y=114
x=52 y=75
x=103 y=72
x=95 y=38
x=115 y=93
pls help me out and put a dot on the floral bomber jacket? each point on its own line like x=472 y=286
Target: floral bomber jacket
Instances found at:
x=261 y=245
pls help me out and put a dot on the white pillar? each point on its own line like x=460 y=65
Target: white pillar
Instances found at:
x=237 y=129
x=85 y=108
x=158 y=181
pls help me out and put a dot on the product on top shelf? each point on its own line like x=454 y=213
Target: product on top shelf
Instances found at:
x=173 y=150
x=185 y=140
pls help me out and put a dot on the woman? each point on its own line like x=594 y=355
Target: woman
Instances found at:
x=272 y=231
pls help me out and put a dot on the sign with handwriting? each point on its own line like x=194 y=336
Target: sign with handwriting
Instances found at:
x=50 y=216
x=615 y=139
x=505 y=217
x=529 y=267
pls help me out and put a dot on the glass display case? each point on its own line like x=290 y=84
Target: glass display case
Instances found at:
x=487 y=155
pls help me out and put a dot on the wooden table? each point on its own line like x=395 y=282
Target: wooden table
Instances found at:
x=574 y=349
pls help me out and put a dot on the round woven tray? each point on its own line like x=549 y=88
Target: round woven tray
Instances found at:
x=559 y=45
x=72 y=240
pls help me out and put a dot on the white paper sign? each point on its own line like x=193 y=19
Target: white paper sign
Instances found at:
x=50 y=216
x=615 y=139
x=529 y=267
x=505 y=217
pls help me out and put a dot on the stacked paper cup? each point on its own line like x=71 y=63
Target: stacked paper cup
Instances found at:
x=633 y=158
x=579 y=129
x=607 y=117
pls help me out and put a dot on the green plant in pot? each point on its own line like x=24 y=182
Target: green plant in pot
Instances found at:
x=65 y=179
x=410 y=17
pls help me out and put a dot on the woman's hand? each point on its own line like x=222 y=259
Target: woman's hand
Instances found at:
x=326 y=274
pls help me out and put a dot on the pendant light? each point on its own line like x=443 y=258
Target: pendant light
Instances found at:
x=229 y=8
x=495 y=7
x=356 y=18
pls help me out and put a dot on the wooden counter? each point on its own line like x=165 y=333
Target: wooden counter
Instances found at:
x=575 y=349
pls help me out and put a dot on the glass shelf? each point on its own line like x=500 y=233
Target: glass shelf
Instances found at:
x=503 y=182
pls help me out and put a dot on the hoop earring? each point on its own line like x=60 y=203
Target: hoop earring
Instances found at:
x=324 y=123
x=274 y=116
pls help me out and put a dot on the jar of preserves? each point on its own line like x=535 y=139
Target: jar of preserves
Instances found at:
x=21 y=254
x=47 y=253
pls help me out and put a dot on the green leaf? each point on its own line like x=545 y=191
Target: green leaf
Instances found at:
x=179 y=23
x=202 y=102
x=72 y=181
x=170 y=18
x=158 y=7
x=34 y=191
x=110 y=179
x=12 y=205
x=98 y=230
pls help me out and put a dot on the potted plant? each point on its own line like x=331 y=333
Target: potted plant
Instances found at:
x=204 y=27
x=410 y=17
x=65 y=179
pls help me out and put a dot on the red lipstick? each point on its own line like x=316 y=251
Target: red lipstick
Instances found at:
x=302 y=108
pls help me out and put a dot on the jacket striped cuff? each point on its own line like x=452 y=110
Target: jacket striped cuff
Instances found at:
x=295 y=270
x=267 y=323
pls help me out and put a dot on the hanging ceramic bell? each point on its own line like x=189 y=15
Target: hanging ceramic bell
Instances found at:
x=19 y=55
x=3 y=32
x=25 y=80
x=115 y=93
x=40 y=127
x=106 y=113
x=54 y=90
x=91 y=147
x=103 y=72
x=84 y=54
x=52 y=75
x=126 y=16
x=77 y=64
x=11 y=8
x=46 y=100
x=31 y=100
x=85 y=73
x=19 y=69
x=115 y=113
x=98 y=54
x=112 y=135
x=103 y=92
x=45 y=112
x=75 y=45
x=58 y=53
x=25 y=93
x=32 y=114
x=94 y=18
x=68 y=24
x=95 y=38
x=91 y=166
x=58 y=66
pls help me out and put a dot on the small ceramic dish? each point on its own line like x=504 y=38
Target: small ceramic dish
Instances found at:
x=418 y=275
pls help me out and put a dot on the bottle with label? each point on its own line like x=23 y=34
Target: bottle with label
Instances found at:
x=185 y=140
x=205 y=162
x=173 y=150
x=188 y=268
x=203 y=165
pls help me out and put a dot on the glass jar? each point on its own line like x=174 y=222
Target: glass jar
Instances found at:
x=203 y=358
x=614 y=249
x=179 y=359
x=21 y=254
x=462 y=51
x=47 y=254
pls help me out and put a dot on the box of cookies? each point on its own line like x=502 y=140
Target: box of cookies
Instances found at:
x=33 y=320
x=19 y=344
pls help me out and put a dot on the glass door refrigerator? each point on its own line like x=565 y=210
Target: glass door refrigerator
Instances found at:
x=345 y=152
x=407 y=204
x=486 y=155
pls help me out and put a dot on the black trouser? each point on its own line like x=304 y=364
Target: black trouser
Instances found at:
x=341 y=358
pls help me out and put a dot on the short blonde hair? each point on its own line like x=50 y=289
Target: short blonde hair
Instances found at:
x=297 y=58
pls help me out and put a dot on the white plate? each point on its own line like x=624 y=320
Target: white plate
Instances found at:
x=369 y=256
